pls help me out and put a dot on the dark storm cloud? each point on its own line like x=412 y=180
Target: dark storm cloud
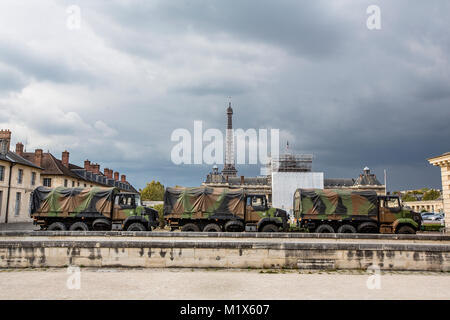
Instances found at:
x=304 y=27
x=28 y=62
x=351 y=96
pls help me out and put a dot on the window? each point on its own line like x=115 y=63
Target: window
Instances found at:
x=33 y=178
x=65 y=183
x=48 y=182
x=2 y=173
x=73 y=184
x=17 y=208
x=1 y=199
x=20 y=177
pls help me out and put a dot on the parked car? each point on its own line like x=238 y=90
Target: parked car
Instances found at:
x=432 y=216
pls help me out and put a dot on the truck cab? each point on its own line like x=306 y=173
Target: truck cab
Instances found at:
x=258 y=211
x=394 y=218
x=129 y=213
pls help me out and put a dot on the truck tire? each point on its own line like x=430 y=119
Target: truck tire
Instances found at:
x=347 y=228
x=234 y=226
x=212 y=227
x=368 y=227
x=190 y=227
x=270 y=228
x=137 y=226
x=406 y=230
x=57 y=226
x=101 y=225
x=324 y=228
x=79 y=226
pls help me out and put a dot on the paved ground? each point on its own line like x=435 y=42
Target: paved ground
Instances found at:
x=219 y=284
x=18 y=226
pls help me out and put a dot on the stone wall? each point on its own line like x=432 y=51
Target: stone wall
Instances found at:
x=224 y=253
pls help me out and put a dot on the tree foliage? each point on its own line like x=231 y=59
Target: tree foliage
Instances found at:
x=154 y=191
x=409 y=197
x=431 y=195
x=160 y=209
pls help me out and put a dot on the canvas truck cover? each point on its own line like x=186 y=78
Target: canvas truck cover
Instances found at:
x=66 y=202
x=203 y=202
x=332 y=202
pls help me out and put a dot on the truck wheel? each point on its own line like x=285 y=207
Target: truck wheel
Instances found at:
x=270 y=228
x=101 y=225
x=57 y=226
x=234 y=226
x=347 y=228
x=212 y=227
x=137 y=226
x=368 y=227
x=79 y=226
x=190 y=227
x=406 y=230
x=324 y=228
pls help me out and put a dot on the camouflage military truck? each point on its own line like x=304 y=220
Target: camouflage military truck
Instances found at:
x=220 y=209
x=83 y=209
x=353 y=211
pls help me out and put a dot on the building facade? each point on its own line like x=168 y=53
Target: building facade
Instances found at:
x=436 y=206
x=443 y=161
x=366 y=181
x=18 y=178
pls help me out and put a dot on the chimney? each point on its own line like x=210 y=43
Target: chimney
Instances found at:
x=116 y=176
x=106 y=172
x=38 y=155
x=124 y=178
x=87 y=165
x=96 y=168
x=5 y=141
x=65 y=158
x=242 y=180
x=19 y=149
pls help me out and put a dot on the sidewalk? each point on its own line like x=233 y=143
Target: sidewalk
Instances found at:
x=16 y=226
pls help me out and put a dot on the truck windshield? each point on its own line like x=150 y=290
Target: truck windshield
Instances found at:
x=392 y=203
x=138 y=200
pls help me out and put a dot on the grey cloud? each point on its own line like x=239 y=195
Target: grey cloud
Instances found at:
x=351 y=96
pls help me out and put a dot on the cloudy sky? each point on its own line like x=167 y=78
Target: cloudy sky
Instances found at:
x=114 y=90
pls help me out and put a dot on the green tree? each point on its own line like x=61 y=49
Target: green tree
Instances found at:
x=431 y=195
x=409 y=197
x=154 y=191
x=160 y=209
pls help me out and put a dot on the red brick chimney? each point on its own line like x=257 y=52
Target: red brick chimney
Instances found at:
x=5 y=140
x=87 y=165
x=19 y=149
x=38 y=155
x=116 y=176
x=110 y=174
x=65 y=158
x=96 y=168
x=124 y=178
x=106 y=172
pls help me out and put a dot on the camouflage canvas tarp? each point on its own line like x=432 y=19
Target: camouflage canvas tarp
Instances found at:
x=335 y=202
x=203 y=202
x=72 y=201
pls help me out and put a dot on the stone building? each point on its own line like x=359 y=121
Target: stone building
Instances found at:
x=255 y=185
x=443 y=161
x=18 y=178
x=436 y=206
x=366 y=181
